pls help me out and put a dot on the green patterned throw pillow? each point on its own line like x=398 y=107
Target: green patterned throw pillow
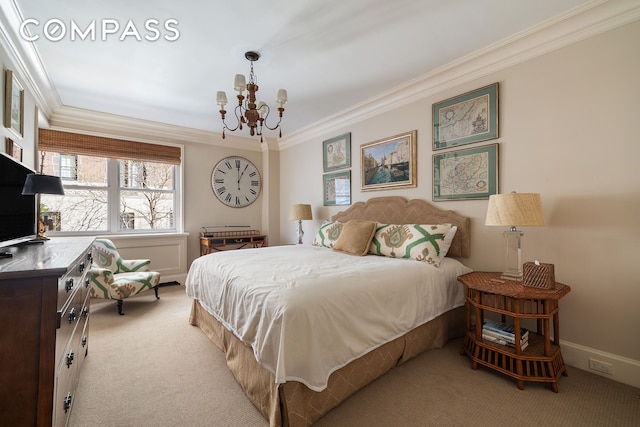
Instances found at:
x=423 y=242
x=328 y=234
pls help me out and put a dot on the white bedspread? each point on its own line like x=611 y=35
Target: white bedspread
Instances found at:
x=307 y=311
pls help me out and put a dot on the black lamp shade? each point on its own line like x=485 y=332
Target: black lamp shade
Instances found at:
x=42 y=184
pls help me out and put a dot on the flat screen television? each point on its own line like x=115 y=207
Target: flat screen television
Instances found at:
x=18 y=213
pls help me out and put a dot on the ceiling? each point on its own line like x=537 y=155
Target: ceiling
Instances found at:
x=328 y=54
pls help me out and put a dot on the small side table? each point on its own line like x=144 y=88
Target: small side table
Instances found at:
x=214 y=244
x=541 y=360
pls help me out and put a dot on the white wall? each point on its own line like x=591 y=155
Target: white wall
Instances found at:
x=202 y=208
x=568 y=130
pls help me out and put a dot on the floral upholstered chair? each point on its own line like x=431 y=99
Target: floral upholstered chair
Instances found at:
x=115 y=278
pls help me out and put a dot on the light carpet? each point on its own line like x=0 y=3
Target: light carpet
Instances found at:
x=150 y=367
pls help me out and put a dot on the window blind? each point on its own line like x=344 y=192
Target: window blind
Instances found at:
x=90 y=145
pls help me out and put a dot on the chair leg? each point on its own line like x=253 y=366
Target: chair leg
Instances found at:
x=155 y=288
x=120 y=307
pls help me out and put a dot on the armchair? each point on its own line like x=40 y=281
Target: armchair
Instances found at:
x=112 y=277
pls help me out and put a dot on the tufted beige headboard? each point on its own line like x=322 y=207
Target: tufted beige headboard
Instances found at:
x=398 y=210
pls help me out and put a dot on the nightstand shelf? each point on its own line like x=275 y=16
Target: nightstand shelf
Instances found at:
x=541 y=360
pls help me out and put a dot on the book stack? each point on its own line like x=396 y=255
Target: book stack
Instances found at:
x=502 y=333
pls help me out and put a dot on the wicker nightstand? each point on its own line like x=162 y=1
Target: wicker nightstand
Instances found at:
x=541 y=360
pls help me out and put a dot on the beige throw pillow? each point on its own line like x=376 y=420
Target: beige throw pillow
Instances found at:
x=355 y=237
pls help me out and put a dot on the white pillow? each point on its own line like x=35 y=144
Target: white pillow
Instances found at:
x=446 y=244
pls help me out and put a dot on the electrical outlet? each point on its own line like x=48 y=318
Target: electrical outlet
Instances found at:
x=599 y=366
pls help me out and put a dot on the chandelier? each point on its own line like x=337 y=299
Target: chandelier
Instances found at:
x=247 y=111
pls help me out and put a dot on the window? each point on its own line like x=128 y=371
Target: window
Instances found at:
x=128 y=221
x=68 y=167
x=51 y=220
x=146 y=194
x=110 y=185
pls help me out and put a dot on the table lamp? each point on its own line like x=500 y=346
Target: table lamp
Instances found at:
x=300 y=212
x=37 y=184
x=513 y=210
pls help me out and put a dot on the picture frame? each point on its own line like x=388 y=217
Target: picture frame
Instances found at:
x=13 y=149
x=337 y=188
x=467 y=118
x=336 y=153
x=465 y=174
x=389 y=163
x=13 y=104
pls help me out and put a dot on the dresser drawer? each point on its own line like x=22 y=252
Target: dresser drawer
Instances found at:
x=66 y=378
x=74 y=278
x=82 y=330
x=68 y=319
x=69 y=360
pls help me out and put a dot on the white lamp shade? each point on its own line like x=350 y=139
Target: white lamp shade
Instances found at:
x=515 y=209
x=221 y=99
x=282 y=97
x=240 y=83
x=262 y=109
x=300 y=212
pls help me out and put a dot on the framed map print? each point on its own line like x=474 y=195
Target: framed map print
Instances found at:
x=466 y=174
x=336 y=153
x=337 y=188
x=467 y=118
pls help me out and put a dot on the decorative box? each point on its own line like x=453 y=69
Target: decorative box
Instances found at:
x=538 y=275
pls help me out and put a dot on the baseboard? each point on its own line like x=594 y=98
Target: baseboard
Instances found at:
x=621 y=369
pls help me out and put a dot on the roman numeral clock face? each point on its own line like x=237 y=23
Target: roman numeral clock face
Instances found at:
x=236 y=182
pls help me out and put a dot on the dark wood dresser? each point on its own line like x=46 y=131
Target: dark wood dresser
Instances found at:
x=44 y=313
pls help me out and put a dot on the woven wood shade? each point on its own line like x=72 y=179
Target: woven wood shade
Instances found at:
x=89 y=145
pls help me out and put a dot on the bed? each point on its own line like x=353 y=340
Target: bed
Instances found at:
x=304 y=327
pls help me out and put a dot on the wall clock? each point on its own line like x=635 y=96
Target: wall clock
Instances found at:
x=236 y=181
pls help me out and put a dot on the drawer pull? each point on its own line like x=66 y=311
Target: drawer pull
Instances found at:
x=81 y=267
x=84 y=341
x=89 y=256
x=67 y=402
x=72 y=315
x=70 y=357
x=69 y=284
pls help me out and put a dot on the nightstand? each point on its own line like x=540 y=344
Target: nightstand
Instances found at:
x=541 y=360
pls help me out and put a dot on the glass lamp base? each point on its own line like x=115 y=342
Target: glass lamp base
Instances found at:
x=513 y=269
x=300 y=232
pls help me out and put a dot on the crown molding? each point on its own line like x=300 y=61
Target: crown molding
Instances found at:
x=96 y=123
x=26 y=59
x=573 y=26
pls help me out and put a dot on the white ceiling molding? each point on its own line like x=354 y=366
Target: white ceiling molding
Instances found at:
x=95 y=123
x=571 y=27
x=26 y=60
